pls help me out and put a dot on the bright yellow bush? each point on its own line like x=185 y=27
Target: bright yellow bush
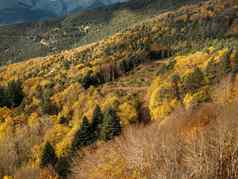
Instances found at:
x=127 y=113
x=56 y=133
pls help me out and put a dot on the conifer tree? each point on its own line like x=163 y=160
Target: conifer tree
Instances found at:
x=2 y=97
x=14 y=93
x=111 y=125
x=97 y=122
x=11 y=95
x=62 y=167
x=235 y=65
x=227 y=64
x=45 y=101
x=83 y=136
x=48 y=156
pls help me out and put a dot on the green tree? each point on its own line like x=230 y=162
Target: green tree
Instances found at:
x=175 y=80
x=2 y=97
x=89 y=80
x=235 y=65
x=83 y=136
x=97 y=122
x=62 y=167
x=227 y=64
x=48 y=156
x=46 y=106
x=111 y=125
x=14 y=93
x=11 y=95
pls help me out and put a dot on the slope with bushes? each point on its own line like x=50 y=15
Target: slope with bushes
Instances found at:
x=76 y=101
x=42 y=38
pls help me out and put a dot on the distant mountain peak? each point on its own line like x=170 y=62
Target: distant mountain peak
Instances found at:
x=30 y=10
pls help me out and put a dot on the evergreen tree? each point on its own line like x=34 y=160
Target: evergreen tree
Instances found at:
x=235 y=65
x=211 y=72
x=97 y=122
x=227 y=64
x=48 y=155
x=83 y=136
x=11 y=95
x=2 y=97
x=62 y=167
x=89 y=80
x=111 y=125
x=14 y=93
x=45 y=101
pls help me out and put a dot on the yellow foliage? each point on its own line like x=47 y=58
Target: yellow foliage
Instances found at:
x=186 y=63
x=33 y=120
x=127 y=113
x=7 y=177
x=110 y=101
x=56 y=133
x=162 y=101
x=5 y=112
x=63 y=148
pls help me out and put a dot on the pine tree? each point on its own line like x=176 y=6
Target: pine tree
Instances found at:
x=227 y=64
x=2 y=97
x=45 y=101
x=97 y=122
x=235 y=65
x=111 y=125
x=48 y=156
x=83 y=136
x=11 y=95
x=15 y=93
x=62 y=167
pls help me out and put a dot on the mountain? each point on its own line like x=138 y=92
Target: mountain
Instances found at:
x=97 y=4
x=17 y=11
x=24 y=41
x=147 y=90
x=22 y=14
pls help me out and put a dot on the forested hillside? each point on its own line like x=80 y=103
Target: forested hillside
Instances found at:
x=24 y=41
x=149 y=99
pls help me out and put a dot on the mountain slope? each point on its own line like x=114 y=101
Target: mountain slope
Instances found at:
x=17 y=11
x=77 y=29
x=178 y=61
x=23 y=14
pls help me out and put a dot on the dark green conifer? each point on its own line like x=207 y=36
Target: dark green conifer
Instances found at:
x=111 y=125
x=83 y=136
x=62 y=167
x=14 y=93
x=227 y=64
x=48 y=156
x=97 y=122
